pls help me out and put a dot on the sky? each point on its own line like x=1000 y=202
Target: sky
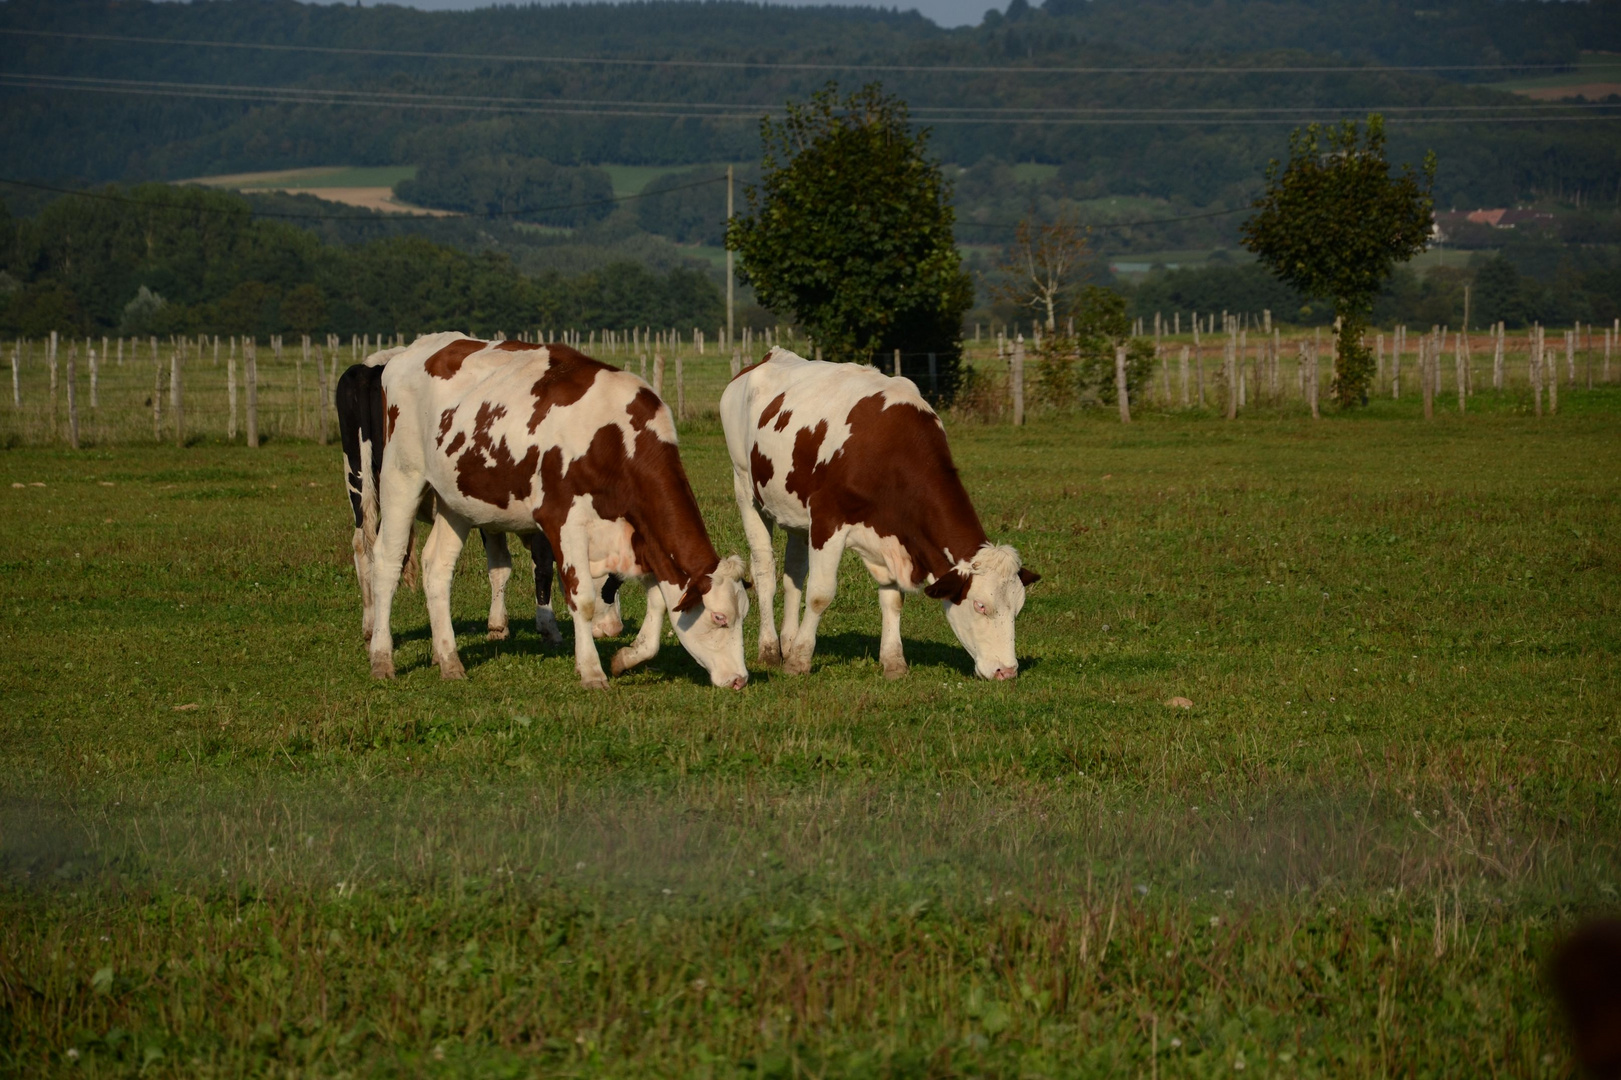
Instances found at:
x=943 y=12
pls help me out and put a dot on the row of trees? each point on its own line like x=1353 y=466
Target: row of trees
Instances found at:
x=156 y=259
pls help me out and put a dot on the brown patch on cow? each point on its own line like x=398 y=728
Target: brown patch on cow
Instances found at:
x=782 y=420
x=487 y=470
x=770 y=410
x=647 y=488
x=952 y=587
x=516 y=346
x=895 y=475
x=569 y=375
x=445 y=363
x=456 y=444
x=393 y=418
x=570 y=581
x=750 y=368
x=447 y=420
x=643 y=408
x=760 y=469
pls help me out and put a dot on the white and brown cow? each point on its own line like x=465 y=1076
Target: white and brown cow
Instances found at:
x=359 y=402
x=512 y=436
x=841 y=455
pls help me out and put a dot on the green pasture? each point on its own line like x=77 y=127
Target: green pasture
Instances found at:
x=632 y=179
x=225 y=850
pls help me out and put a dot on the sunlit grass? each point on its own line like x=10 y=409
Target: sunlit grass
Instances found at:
x=226 y=850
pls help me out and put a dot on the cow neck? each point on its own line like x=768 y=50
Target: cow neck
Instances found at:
x=951 y=526
x=671 y=539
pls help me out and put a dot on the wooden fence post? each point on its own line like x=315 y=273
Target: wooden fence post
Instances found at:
x=658 y=374
x=1229 y=373
x=50 y=358
x=95 y=374
x=250 y=375
x=157 y=396
x=1533 y=364
x=230 y=391
x=1460 y=369
x=323 y=404
x=1121 y=392
x=1570 y=355
x=897 y=371
x=680 y=385
x=73 y=399
x=1184 y=374
x=17 y=389
x=302 y=358
x=1550 y=365
x=1016 y=380
x=177 y=398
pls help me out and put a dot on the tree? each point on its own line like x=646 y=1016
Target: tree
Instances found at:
x=1334 y=222
x=304 y=308
x=1041 y=265
x=1499 y=294
x=851 y=230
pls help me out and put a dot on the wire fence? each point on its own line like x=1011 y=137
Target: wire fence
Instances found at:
x=124 y=391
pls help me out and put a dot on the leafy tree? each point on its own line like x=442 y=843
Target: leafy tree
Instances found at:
x=1069 y=364
x=1499 y=293
x=1333 y=224
x=531 y=189
x=850 y=230
x=304 y=308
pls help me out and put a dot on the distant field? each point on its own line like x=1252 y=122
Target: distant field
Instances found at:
x=631 y=179
x=1596 y=75
x=370 y=188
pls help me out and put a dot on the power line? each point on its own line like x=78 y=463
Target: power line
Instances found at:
x=777 y=65
x=376 y=216
x=407 y=99
x=1140 y=117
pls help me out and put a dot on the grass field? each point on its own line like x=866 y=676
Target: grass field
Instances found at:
x=224 y=850
x=1596 y=74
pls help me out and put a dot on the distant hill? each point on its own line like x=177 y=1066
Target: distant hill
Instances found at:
x=169 y=90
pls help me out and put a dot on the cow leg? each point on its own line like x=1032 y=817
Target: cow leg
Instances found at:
x=795 y=562
x=763 y=565
x=439 y=554
x=540 y=549
x=609 y=621
x=363 y=548
x=499 y=559
x=399 y=496
x=646 y=645
x=889 y=639
x=580 y=589
x=821 y=583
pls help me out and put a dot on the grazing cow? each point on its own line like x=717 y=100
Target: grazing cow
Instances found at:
x=841 y=455
x=359 y=401
x=513 y=436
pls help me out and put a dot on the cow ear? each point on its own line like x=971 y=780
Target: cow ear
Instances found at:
x=1028 y=577
x=694 y=596
x=952 y=588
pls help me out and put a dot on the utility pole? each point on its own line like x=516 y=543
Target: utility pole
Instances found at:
x=730 y=340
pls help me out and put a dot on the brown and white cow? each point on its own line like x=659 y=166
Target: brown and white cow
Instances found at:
x=841 y=455
x=512 y=436
x=359 y=401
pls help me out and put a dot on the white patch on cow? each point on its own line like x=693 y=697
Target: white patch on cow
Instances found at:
x=983 y=622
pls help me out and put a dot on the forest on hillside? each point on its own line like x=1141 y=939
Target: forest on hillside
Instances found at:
x=89 y=109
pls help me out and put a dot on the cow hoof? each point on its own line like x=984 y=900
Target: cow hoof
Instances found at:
x=623 y=661
x=497 y=633
x=382 y=667
x=796 y=665
x=451 y=668
x=770 y=655
x=594 y=682
x=547 y=628
x=895 y=670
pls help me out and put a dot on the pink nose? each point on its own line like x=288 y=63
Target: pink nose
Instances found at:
x=1006 y=673
x=740 y=682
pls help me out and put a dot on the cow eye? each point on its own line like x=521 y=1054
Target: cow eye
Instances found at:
x=720 y=619
x=979 y=606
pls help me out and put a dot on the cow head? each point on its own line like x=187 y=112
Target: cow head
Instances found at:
x=982 y=597
x=708 y=621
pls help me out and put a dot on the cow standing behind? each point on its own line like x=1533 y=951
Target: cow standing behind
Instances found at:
x=841 y=455
x=512 y=436
x=359 y=404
